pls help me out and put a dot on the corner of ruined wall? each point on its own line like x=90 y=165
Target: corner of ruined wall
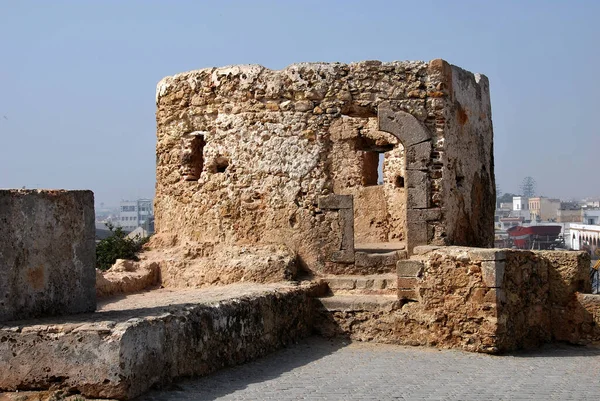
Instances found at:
x=541 y=301
x=498 y=300
x=524 y=308
x=573 y=308
x=454 y=292
x=468 y=182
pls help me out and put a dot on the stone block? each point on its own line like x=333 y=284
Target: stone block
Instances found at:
x=341 y=283
x=343 y=256
x=407 y=282
x=344 y=204
x=365 y=284
x=418 y=156
x=409 y=268
x=334 y=201
x=493 y=273
x=47 y=253
x=364 y=259
x=403 y=126
x=405 y=294
x=483 y=254
x=417 y=196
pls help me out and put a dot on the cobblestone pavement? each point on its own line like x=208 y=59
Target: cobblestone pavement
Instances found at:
x=320 y=369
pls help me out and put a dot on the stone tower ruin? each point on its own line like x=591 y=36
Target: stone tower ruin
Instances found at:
x=326 y=159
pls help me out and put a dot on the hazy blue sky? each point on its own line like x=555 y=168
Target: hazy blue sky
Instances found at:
x=78 y=78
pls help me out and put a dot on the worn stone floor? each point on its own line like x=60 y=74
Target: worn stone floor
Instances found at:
x=320 y=369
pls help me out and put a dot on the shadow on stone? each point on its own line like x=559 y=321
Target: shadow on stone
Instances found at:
x=270 y=367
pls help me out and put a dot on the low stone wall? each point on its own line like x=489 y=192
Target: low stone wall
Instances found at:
x=444 y=302
x=151 y=338
x=47 y=253
x=586 y=316
x=538 y=297
x=483 y=300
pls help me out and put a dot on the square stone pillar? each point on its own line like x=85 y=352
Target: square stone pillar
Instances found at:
x=47 y=253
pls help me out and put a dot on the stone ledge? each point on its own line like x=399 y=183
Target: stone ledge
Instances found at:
x=151 y=338
x=359 y=302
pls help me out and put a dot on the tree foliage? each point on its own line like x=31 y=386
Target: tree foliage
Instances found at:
x=528 y=187
x=117 y=246
x=506 y=198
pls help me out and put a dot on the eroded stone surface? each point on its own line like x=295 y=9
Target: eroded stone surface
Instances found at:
x=245 y=153
x=47 y=253
x=126 y=277
x=459 y=297
x=137 y=341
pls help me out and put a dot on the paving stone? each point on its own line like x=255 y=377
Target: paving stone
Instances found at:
x=320 y=369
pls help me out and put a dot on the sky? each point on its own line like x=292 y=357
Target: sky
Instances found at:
x=78 y=78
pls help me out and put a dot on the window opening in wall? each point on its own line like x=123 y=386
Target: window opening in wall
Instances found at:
x=380 y=169
x=399 y=181
x=192 y=158
x=373 y=158
x=221 y=164
x=370 y=174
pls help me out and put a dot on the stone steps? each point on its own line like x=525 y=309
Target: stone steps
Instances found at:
x=375 y=284
x=368 y=261
x=357 y=303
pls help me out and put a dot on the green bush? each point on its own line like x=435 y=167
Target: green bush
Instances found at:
x=117 y=246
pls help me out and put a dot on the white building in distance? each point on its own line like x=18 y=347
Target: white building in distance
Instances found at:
x=137 y=213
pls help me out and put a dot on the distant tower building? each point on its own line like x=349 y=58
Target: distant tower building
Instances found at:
x=138 y=213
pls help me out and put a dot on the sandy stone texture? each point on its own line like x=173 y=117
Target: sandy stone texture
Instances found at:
x=483 y=300
x=244 y=153
x=134 y=342
x=47 y=253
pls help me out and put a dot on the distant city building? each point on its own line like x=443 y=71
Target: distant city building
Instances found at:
x=569 y=216
x=590 y=216
x=520 y=207
x=585 y=237
x=138 y=213
x=591 y=202
x=543 y=209
x=569 y=212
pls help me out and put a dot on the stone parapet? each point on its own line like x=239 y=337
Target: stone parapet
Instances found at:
x=151 y=338
x=476 y=299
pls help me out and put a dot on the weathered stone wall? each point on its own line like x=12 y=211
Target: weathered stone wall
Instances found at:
x=244 y=153
x=47 y=253
x=120 y=353
x=445 y=302
x=538 y=300
x=484 y=300
x=469 y=185
x=583 y=320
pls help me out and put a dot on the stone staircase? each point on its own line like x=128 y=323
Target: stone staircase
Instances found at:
x=370 y=283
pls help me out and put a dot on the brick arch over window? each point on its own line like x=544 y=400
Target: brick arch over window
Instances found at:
x=416 y=140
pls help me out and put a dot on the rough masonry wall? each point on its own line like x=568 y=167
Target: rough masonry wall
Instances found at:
x=483 y=300
x=244 y=153
x=121 y=353
x=446 y=300
x=47 y=253
x=538 y=300
x=468 y=182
